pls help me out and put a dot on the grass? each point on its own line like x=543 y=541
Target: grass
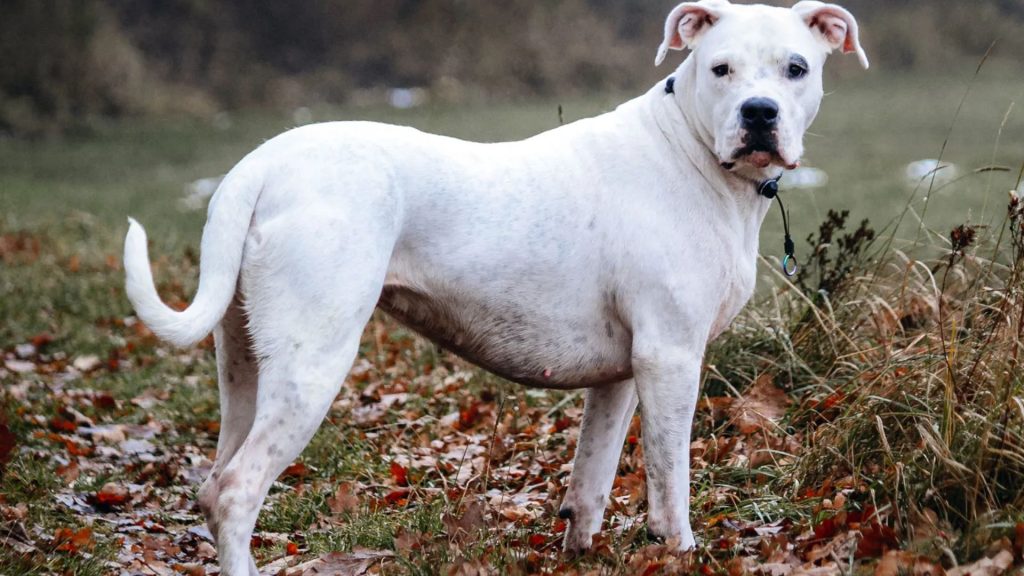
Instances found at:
x=903 y=385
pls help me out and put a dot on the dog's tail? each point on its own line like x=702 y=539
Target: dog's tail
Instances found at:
x=227 y=224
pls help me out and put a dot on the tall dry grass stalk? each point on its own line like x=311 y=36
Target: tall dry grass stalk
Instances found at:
x=907 y=368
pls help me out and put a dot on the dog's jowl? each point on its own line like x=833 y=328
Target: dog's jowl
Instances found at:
x=604 y=255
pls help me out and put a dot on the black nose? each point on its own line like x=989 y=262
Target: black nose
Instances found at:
x=759 y=114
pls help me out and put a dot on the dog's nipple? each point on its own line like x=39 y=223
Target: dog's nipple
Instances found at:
x=547 y=373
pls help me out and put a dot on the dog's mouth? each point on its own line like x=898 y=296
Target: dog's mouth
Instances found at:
x=759 y=150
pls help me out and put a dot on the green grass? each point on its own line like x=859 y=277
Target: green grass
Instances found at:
x=870 y=126
x=72 y=195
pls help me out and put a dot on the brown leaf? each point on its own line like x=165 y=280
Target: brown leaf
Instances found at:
x=902 y=563
x=986 y=566
x=7 y=443
x=406 y=540
x=343 y=501
x=355 y=563
x=191 y=569
x=68 y=472
x=466 y=525
x=761 y=406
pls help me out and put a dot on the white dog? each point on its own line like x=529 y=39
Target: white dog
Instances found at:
x=604 y=255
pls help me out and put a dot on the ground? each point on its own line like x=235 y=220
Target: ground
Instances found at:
x=835 y=434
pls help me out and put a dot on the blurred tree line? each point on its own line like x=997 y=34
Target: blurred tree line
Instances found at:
x=64 y=60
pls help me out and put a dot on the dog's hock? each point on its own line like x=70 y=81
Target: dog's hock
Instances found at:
x=834 y=26
x=687 y=23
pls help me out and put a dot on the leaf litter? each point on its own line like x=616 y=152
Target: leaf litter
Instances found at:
x=457 y=472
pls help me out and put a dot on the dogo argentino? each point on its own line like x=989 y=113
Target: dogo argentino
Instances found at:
x=603 y=254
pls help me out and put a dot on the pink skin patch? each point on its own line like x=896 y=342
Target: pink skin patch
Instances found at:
x=761 y=159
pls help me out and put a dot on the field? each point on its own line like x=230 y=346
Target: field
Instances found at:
x=878 y=428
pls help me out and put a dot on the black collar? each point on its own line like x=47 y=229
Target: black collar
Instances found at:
x=769 y=188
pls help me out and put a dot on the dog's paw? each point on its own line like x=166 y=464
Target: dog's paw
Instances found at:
x=577 y=543
x=682 y=542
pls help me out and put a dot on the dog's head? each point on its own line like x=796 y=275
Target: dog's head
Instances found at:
x=755 y=75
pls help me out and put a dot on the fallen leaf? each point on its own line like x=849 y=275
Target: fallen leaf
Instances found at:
x=111 y=495
x=761 y=406
x=297 y=471
x=25 y=350
x=87 y=363
x=133 y=446
x=468 y=523
x=343 y=500
x=398 y=497
x=7 y=443
x=399 y=474
x=406 y=540
x=206 y=550
x=68 y=472
x=994 y=566
x=71 y=541
x=108 y=433
x=903 y=563
x=355 y=563
x=20 y=366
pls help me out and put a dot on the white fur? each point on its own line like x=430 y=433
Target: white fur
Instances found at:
x=604 y=254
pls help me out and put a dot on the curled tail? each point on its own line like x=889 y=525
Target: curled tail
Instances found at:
x=220 y=260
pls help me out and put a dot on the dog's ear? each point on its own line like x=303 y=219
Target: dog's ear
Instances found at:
x=687 y=23
x=834 y=26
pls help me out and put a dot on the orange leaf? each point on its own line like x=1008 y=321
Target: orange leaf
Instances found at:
x=397 y=497
x=112 y=495
x=71 y=541
x=399 y=474
x=298 y=471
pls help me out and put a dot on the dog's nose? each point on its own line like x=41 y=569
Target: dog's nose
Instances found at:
x=759 y=114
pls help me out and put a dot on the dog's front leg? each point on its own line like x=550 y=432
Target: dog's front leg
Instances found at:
x=606 y=416
x=668 y=382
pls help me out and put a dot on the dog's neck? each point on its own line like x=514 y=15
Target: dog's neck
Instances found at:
x=690 y=142
x=669 y=106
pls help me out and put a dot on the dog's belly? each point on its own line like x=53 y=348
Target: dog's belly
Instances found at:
x=510 y=342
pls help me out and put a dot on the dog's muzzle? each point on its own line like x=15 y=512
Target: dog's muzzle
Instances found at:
x=759 y=118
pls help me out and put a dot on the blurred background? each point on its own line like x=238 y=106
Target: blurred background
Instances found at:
x=68 y=61
x=109 y=107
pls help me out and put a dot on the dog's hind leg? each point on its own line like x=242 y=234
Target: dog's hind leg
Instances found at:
x=606 y=416
x=295 y=394
x=306 y=315
x=237 y=373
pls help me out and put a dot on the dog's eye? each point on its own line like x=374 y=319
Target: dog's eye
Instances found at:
x=796 y=71
x=721 y=70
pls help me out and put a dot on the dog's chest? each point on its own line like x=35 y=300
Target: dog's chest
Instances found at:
x=571 y=348
x=737 y=286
